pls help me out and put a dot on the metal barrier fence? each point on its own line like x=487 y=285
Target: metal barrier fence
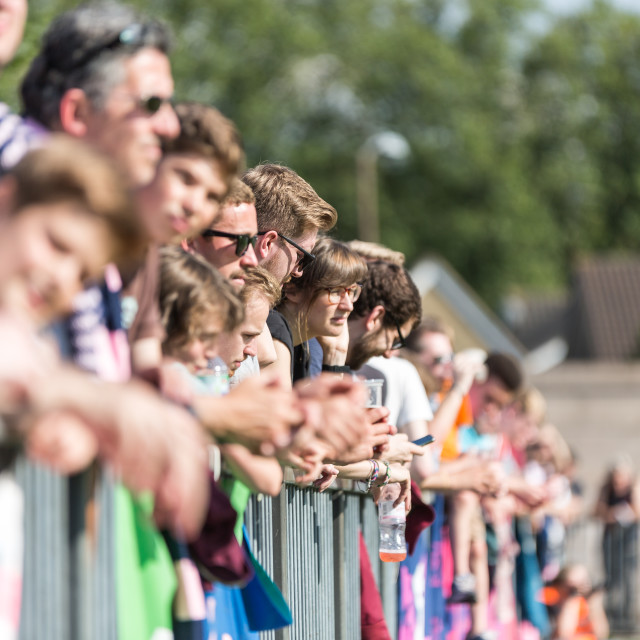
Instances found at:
x=307 y=541
x=69 y=570
x=611 y=555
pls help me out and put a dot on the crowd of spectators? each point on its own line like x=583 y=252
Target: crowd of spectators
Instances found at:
x=141 y=264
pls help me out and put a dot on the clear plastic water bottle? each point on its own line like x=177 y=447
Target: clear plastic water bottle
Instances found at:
x=392 y=523
x=216 y=377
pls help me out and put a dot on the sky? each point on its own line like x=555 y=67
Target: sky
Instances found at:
x=568 y=6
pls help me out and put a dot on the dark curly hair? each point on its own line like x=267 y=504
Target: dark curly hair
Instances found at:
x=391 y=286
x=506 y=369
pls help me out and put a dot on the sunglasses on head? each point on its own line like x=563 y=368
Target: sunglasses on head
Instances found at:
x=132 y=35
x=242 y=240
x=305 y=259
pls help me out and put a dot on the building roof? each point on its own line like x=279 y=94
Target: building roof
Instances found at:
x=605 y=313
x=446 y=295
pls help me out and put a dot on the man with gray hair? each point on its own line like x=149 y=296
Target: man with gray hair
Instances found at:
x=103 y=74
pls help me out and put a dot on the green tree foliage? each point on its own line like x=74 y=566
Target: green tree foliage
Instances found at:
x=524 y=150
x=583 y=88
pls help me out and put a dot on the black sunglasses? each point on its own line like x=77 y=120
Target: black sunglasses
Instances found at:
x=153 y=104
x=305 y=259
x=446 y=359
x=243 y=240
x=400 y=343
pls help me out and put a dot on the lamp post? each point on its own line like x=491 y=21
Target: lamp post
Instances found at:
x=390 y=145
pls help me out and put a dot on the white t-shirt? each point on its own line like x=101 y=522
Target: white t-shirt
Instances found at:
x=248 y=369
x=402 y=393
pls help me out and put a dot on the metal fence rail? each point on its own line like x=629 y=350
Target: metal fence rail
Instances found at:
x=68 y=588
x=307 y=541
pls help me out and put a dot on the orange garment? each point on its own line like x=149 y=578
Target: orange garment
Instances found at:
x=465 y=417
x=584 y=629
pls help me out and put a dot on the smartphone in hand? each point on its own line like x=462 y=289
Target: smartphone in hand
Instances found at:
x=422 y=441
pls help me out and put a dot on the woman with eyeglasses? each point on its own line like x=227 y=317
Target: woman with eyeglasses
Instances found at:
x=318 y=304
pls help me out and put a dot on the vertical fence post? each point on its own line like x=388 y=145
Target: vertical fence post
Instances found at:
x=339 y=502
x=79 y=582
x=280 y=569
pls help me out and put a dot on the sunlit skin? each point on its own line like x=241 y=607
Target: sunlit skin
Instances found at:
x=123 y=129
x=375 y=342
x=325 y=318
x=433 y=345
x=13 y=15
x=48 y=252
x=183 y=199
x=321 y=318
x=195 y=354
x=488 y=401
x=221 y=252
x=238 y=345
x=282 y=259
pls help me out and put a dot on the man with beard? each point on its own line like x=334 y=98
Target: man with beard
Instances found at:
x=387 y=310
x=231 y=245
x=290 y=214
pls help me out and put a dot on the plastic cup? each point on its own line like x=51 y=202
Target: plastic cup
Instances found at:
x=374 y=392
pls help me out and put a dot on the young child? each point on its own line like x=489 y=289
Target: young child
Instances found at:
x=576 y=608
x=194 y=175
x=64 y=214
x=205 y=318
x=484 y=440
x=197 y=305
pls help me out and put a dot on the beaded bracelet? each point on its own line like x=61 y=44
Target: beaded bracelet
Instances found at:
x=375 y=470
x=387 y=475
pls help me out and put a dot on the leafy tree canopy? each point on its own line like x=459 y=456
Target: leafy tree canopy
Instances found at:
x=524 y=144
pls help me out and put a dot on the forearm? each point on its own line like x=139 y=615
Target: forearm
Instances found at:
x=260 y=474
x=421 y=468
x=363 y=471
x=445 y=417
x=90 y=398
x=444 y=480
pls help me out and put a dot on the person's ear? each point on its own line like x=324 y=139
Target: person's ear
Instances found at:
x=265 y=244
x=292 y=293
x=74 y=112
x=374 y=318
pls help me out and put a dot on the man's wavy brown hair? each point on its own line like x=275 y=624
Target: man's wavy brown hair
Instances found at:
x=286 y=203
x=391 y=286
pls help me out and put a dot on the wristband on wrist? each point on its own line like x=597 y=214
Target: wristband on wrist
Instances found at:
x=375 y=469
x=330 y=368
